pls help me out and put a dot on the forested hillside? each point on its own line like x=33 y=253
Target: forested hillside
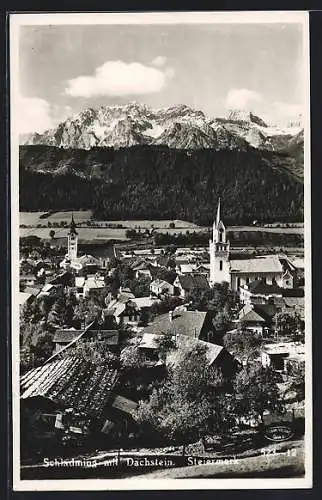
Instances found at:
x=158 y=182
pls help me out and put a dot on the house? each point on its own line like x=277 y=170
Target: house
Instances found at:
x=33 y=290
x=93 y=282
x=161 y=287
x=63 y=388
x=279 y=355
x=25 y=298
x=294 y=305
x=251 y=320
x=257 y=317
x=64 y=337
x=130 y=310
x=217 y=355
x=50 y=290
x=258 y=292
x=194 y=324
x=79 y=286
x=184 y=284
x=186 y=268
x=203 y=268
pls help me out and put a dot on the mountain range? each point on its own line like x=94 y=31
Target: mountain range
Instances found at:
x=177 y=127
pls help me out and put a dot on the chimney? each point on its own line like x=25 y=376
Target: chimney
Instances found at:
x=170 y=315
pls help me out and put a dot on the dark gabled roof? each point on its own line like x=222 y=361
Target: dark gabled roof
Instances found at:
x=287 y=265
x=162 y=260
x=67 y=335
x=190 y=323
x=191 y=281
x=266 y=311
x=262 y=288
x=72 y=382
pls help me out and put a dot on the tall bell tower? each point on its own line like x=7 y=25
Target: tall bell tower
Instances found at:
x=72 y=240
x=219 y=252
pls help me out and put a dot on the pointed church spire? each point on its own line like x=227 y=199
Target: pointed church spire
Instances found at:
x=218 y=214
x=73 y=226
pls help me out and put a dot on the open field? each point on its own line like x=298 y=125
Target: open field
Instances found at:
x=84 y=233
x=35 y=224
x=83 y=216
x=298 y=229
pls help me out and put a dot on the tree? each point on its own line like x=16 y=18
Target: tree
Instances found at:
x=140 y=286
x=183 y=408
x=243 y=344
x=44 y=347
x=52 y=234
x=96 y=352
x=165 y=305
x=290 y=325
x=256 y=391
x=219 y=300
x=296 y=373
x=166 y=343
x=131 y=357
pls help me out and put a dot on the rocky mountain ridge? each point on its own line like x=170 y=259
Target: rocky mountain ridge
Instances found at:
x=177 y=127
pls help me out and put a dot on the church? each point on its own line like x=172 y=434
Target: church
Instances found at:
x=243 y=271
x=72 y=260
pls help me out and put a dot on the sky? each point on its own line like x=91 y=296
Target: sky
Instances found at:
x=64 y=69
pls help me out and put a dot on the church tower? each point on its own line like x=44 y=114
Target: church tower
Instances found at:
x=219 y=252
x=72 y=241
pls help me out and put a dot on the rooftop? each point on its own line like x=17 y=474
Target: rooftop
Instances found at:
x=190 y=323
x=260 y=287
x=23 y=297
x=190 y=281
x=293 y=349
x=268 y=264
x=71 y=382
x=187 y=344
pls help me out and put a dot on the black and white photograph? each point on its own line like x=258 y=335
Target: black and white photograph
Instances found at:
x=160 y=233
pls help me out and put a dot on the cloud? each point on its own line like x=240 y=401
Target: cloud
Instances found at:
x=33 y=115
x=159 y=61
x=117 y=78
x=242 y=99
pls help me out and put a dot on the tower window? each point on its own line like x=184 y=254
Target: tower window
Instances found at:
x=220 y=265
x=220 y=235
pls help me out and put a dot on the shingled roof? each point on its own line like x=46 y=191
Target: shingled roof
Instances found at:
x=71 y=382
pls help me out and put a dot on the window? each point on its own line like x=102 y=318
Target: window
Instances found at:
x=220 y=235
x=238 y=282
x=220 y=265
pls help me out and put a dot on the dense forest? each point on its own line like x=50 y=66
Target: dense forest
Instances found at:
x=157 y=182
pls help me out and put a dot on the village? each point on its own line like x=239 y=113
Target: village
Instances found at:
x=158 y=347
